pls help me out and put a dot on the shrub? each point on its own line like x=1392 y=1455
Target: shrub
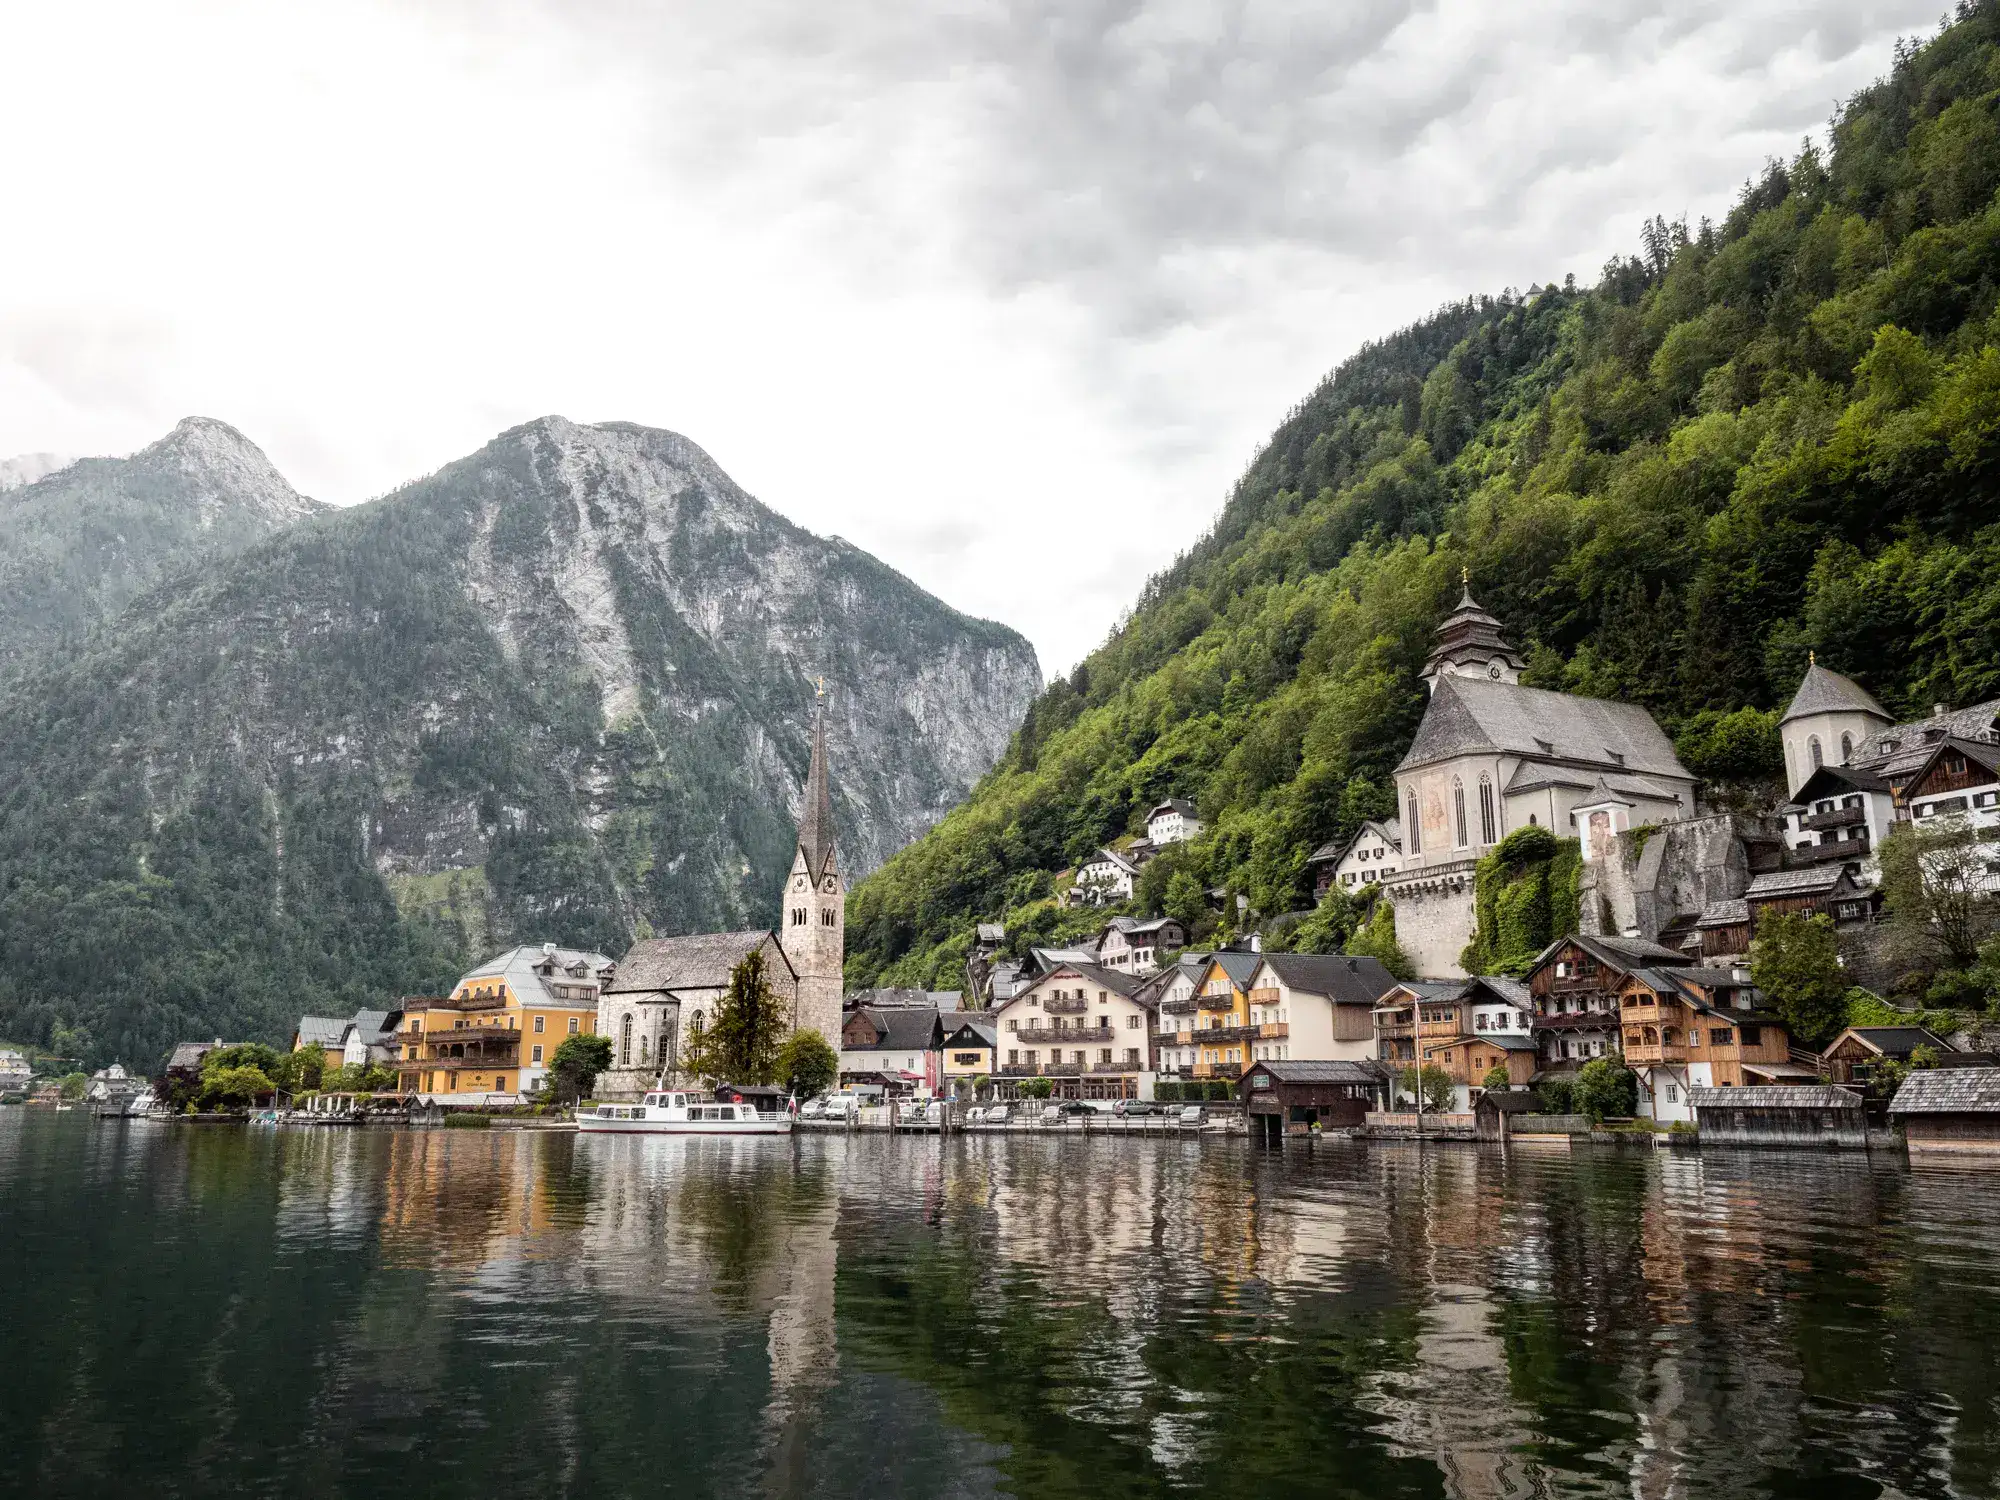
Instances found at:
x=1605 y=1087
x=1221 y=1092
x=467 y=1122
x=1558 y=1094
x=1497 y=1079
x=1165 y=1092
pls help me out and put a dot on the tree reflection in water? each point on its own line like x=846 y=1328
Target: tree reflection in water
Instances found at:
x=469 y=1313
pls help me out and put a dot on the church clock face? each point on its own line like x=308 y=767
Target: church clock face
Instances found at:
x=1494 y=671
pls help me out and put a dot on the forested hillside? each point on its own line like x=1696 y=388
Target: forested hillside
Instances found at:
x=1754 y=439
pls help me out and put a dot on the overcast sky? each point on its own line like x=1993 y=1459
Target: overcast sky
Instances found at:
x=1006 y=293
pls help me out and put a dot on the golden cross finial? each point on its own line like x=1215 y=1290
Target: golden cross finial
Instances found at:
x=820 y=691
x=1465 y=577
x=1812 y=658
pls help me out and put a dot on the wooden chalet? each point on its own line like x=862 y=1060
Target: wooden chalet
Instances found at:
x=1857 y=1051
x=1574 y=986
x=1691 y=1028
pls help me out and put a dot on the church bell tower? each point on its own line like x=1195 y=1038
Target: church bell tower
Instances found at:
x=813 y=924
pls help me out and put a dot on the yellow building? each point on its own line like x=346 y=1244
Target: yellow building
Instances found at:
x=1213 y=1029
x=498 y=1030
x=968 y=1051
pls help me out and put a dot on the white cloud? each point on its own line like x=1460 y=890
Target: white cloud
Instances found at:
x=1004 y=292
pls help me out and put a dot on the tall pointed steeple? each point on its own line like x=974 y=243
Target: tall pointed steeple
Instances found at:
x=1470 y=644
x=816 y=815
x=813 y=928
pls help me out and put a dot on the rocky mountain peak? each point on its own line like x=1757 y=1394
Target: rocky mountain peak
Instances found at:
x=225 y=469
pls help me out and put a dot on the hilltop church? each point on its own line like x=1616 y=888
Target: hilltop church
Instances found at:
x=666 y=989
x=1492 y=756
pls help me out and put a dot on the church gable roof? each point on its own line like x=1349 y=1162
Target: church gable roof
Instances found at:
x=1470 y=715
x=1826 y=692
x=699 y=961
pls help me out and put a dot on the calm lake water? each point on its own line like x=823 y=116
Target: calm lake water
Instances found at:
x=221 y=1312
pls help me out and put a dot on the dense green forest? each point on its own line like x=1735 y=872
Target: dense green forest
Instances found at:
x=1753 y=439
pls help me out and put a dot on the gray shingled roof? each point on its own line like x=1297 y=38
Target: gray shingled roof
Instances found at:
x=1894 y=1041
x=1322 y=1072
x=1513 y=991
x=816 y=807
x=1915 y=741
x=1776 y=1096
x=1823 y=691
x=1948 y=1091
x=328 y=1031
x=1815 y=880
x=1353 y=981
x=903 y=1029
x=1734 y=913
x=698 y=961
x=1469 y=715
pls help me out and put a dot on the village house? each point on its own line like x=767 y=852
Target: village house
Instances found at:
x=1574 y=987
x=1485 y=1025
x=15 y=1073
x=1104 y=879
x=1828 y=890
x=968 y=1051
x=1211 y=1031
x=491 y=1039
x=1834 y=721
x=1690 y=1028
x=897 y=1048
x=1396 y=1012
x=1314 y=1006
x=1949 y=1109
x=1083 y=1026
x=1172 y=822
x=1854 y=1055
x=1167 y=994
x=1491 y=756
x=1134 y=945
x=1373 y=852
x=1840 y=816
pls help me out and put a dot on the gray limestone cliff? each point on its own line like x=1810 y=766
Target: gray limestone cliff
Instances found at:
x=559 y=690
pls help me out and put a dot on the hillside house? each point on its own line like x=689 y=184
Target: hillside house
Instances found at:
x=1487 y=1024
x=1839 y=816
x=1104 y=879
x=1375 y=851
x=1172 y=822
x=1086 y=1027
x=1853 y=1056
x=1828 y=890
x=493 y=1037
x=968 y=1051
x=1133 y=945
x=1396 y=1015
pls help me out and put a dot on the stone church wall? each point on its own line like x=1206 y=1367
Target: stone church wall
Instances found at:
x=1435 y=917
x=1652 y=875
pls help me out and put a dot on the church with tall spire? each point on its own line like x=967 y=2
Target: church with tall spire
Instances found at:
x=813 y=925
x=666 y=989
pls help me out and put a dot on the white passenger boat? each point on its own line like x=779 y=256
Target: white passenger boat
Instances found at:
x=670 y=1113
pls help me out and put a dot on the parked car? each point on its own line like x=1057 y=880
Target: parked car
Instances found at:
x=813 y=1109
x=996 y=1115
x=1191 y=1115
x=843 y=1105
x=1132 y=1108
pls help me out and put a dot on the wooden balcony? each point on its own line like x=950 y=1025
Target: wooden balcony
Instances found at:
x=1840 y=849
x=1840 y=817
x=1067 y=1006
x=1229 y=1071
x=492 y=1063
x=1062 y=1035
x=1274 y=1031
x=1640 y=1053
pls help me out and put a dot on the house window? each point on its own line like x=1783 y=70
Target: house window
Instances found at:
x=1013 y=1025
x=798 y=916
x=538 y=1025
x=1673 y=1093
x=826 y=917
x=1035 y=1057
x=572 y=1025
x=1104 y=1055
x=1719 y=1036
x=538 y=1054
x=1458 y=813
x=1752 y=1035
x=1132 y=1022
x=1415 y=834
x=1013 y=1057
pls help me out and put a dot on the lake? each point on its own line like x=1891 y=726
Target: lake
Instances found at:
x=222 y=1311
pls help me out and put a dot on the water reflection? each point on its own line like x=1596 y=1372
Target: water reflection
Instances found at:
x=344 y=1312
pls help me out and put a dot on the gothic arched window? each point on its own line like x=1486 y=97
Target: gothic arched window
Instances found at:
x=1415 y=836
x=625 y=1041
x=1813 y=745
x=1457 y=813
x=1485 y=809
x=1846 y=748
x=642 y=1050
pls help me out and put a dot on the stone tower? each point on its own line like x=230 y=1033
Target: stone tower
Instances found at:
x=813 y=924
